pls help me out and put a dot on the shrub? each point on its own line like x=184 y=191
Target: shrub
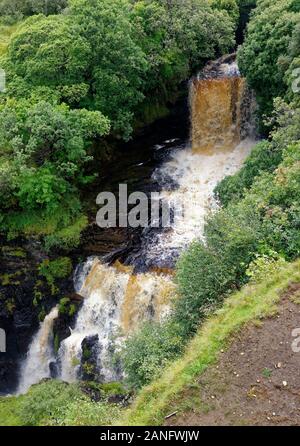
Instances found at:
x=147 y=351
x=267 y=41
x=263 y=158
x=264 y=265
x=202 y=279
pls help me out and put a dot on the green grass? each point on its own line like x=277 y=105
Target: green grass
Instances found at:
x=54 y=403
x=252 y=303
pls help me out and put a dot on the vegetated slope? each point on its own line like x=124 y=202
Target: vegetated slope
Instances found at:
x=255 y=382
x=254 y=302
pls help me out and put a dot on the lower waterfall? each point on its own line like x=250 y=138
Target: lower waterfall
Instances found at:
x=116 y=299
x=40 y=354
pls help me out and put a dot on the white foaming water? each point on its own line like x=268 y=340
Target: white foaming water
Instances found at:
x=100 y=314
x=115 y=301
x=197 y=175
x=40 y=355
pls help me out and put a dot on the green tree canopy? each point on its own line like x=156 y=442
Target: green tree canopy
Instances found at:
x=268 y=38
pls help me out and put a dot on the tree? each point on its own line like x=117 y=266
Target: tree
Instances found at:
x=268 y=37
x=118 y=64
x=14 y=10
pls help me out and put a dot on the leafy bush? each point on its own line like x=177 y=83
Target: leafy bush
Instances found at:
x=263 y=158
x=263 y=265
x=41 y=188
x=148 y=350
x=68 y=237
x=44 y=149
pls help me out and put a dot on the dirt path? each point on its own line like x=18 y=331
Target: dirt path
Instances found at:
x=256 y=381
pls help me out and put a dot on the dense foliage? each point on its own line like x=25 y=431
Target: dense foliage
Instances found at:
x=14 y=10
x=271 y=50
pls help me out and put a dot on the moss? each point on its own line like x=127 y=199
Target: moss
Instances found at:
x=14 y=252
x=56 y=269
x=72 y=310
x=5 y=279
x=88 y=368
x=56 y=343
x=42 y=315
x=10 y=306
x=63 y=305
x=86 y=353
x=66 y=307
x=67 y=238
x=8 y=279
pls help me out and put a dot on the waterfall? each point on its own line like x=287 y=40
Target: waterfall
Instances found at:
x=117 y=299
x=40 y=354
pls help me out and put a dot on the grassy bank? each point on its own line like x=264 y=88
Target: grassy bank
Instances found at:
x=253 y=302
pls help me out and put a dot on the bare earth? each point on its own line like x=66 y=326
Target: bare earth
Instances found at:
x=256 y=381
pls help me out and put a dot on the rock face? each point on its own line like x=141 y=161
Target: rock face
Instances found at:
x=25 y=299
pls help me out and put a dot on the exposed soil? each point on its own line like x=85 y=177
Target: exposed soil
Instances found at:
x=256 y=381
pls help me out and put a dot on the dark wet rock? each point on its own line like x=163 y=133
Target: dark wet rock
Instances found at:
x=54 y=370
x=214 y=69
x=90 y=369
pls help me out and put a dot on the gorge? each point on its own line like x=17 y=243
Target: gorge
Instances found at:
x=119 y=296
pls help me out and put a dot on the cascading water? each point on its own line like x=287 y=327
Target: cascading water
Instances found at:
x=40 y=354
x=116 y=299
